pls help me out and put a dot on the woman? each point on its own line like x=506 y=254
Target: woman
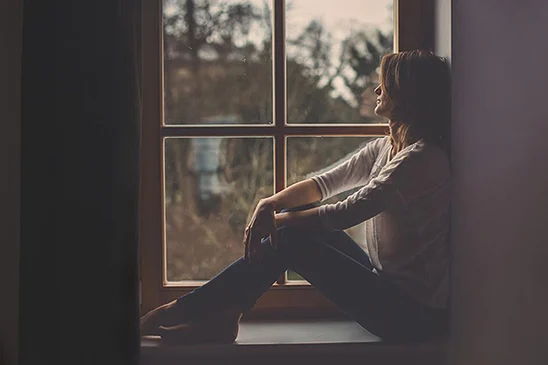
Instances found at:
x=399 y=291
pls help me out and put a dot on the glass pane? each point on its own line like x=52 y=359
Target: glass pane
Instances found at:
x=211 y=187
x=334 y=49
x=217 y=61
x=309 y=156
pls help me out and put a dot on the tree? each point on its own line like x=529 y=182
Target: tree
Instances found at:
x=363 y=54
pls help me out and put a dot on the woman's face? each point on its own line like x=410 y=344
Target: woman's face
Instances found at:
x=384 y=106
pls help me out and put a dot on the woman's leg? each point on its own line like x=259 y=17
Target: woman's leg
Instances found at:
x=226 y=295
x=232 y=287
x=238 y=285
x=336 y=266
x=332 y=263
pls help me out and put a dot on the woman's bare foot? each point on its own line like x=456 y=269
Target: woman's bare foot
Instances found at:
x=165 y=315
x=222 y=327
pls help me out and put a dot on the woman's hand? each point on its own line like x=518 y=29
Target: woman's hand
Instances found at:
x=262 y=224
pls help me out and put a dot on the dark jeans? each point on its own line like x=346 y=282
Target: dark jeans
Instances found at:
x=334 y=264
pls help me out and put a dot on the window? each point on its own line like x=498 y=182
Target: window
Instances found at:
x=242 y=98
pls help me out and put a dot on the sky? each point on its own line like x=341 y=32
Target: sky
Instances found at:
x=340 y=14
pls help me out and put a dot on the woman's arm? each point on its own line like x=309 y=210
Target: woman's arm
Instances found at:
x=340 y=178
x=344 y=176
x=301 y=193
x=264 y=220
x=351 y=173
x=381 y=193
x=308 y=219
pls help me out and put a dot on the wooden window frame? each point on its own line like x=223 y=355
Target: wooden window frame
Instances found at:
x=413 y=28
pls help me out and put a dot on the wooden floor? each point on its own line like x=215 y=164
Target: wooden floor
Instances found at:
x=294 y=342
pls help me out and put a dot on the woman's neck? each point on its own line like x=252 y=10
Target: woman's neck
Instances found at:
x=394 y=138
x=400 y=137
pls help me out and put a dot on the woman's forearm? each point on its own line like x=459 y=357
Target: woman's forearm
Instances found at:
x=308 y=219
x=301 y=193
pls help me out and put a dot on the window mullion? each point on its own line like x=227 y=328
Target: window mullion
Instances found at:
x=279 y=102
x=279 y=94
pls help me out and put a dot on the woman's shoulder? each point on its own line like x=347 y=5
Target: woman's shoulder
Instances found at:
x=434 y=155
x=376 y=145
x=424 y=152
x=382 y=141
x=424 y=159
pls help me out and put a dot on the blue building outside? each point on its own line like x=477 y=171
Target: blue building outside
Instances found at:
x=206 y=165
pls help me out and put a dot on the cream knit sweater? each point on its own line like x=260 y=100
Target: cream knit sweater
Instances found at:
x=405 y=202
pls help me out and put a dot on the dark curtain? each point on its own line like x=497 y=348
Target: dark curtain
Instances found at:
x=80 y=135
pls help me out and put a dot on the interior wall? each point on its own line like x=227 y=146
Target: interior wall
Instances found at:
x=500 y=208
x=10 y=124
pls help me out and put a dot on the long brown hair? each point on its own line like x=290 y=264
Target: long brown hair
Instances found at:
x=417 y=84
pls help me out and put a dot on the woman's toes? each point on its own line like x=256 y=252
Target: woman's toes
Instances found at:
x=150 y=322
x=180 y=334
x=199 y=332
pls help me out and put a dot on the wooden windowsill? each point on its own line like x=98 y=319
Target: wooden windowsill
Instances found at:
x=295 y=341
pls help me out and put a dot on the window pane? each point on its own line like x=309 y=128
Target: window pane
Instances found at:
x=211 y=187
x=309 y=156
x=333 y=53
x=217 y=61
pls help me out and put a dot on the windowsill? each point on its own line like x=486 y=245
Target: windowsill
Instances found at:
x=308 y=338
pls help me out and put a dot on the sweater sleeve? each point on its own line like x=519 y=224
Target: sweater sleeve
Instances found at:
x=380 y=193
x=352 y=173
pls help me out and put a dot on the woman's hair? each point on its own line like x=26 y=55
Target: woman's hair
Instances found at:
x=417 y=84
